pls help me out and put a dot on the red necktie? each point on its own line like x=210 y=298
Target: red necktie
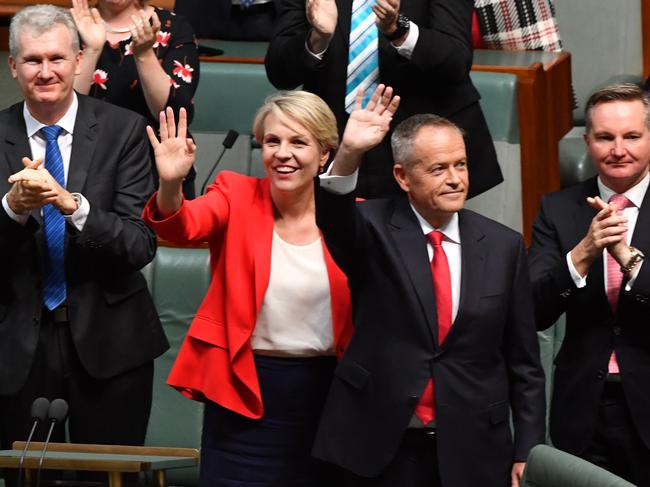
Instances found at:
x=615 y=277
x=425 y=410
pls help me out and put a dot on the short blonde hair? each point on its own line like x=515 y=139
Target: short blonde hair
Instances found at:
x=307 y=109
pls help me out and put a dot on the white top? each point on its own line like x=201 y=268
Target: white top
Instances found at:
x=296 y=315
x=37 y=145
x=635 y=194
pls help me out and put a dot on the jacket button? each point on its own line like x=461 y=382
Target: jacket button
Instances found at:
x=641 y=298
x=566 y=293
x=617 y=330
x=600 y=375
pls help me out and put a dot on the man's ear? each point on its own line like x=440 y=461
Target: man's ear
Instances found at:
x=77 y=60
x=12 y=66
x=401 y=176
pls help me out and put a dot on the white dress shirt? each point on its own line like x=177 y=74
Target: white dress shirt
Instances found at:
x=635 y=194
x=451 y=243
x=405 y=50
x=37 y=144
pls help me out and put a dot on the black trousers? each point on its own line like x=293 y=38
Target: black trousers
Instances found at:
x=616 y=445
x=104 y=411
x=415 y=464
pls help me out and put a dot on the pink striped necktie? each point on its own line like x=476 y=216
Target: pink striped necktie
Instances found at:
x=615 y=277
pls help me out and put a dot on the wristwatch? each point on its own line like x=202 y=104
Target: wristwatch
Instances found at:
x=636 y=256
x=403 y=25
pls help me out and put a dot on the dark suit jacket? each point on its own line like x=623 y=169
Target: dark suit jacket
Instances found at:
x=209 y=18
x=435 y=80
x=592 y=330
x=487 y=366
x=113 y=321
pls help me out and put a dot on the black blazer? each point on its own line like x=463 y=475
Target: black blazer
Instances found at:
x=435 y=80
x=487 y=366
x=209 y=18
x=113 y=321
x=592 y=330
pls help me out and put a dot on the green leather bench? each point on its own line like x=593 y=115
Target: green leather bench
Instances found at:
x=548 y=467
x=178 y=279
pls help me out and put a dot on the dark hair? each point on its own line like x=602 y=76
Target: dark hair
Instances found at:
x=402 y=139
x=617 y=92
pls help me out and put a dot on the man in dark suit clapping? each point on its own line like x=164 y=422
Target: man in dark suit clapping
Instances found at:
x=76 y=318
x=586 y=260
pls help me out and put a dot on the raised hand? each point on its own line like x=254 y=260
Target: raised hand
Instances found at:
x=368 y=125
x=175 y=153
x=143 y=32
x=90 y=24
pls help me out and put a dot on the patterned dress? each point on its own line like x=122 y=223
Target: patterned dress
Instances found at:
x=116 y=79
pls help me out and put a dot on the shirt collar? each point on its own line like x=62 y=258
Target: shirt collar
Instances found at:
x=451 y=230
x=66 y=122
x=635 y=194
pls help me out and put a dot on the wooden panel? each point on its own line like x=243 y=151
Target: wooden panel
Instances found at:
x=545 y=116
x=645 y=36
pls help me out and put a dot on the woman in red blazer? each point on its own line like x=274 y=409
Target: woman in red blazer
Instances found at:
x=260 y=350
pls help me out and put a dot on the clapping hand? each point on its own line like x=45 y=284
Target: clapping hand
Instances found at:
x=143 y=32
x=175 y=152
x=90 y=24
x=368 y=125
x=322 y=15
x=33 y=187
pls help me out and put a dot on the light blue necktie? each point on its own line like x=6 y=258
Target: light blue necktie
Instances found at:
x=54 y=290
x=363 y=57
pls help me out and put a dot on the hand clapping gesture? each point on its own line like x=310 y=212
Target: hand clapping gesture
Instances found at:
x=322 y=15
x=143 y=32
x=90 y=24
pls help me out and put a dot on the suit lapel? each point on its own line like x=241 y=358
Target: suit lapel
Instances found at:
x=344 y=21
x=641 y=236
x=411 y=247
x=16 y=142
x=260 y=229
x=472 y=250
x=83 y=146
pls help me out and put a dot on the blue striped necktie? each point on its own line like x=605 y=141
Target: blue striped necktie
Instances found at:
x=54 y=290
x=363 y=57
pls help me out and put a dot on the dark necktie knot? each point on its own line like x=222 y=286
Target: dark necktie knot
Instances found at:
x=436 y=238
x=51 y=132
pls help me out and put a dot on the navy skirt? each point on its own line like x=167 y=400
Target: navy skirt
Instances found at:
x=274 y=451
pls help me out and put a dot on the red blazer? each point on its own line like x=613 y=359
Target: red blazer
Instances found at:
x=235 y=217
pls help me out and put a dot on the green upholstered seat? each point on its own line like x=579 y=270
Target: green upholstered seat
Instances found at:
x=549 y=467
x=228 y=96
x=499 y=104
x=178 y=279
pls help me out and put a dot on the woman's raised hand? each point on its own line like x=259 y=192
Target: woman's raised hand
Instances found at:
x=174 y=152
x=368 y=125
x=90 y=24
